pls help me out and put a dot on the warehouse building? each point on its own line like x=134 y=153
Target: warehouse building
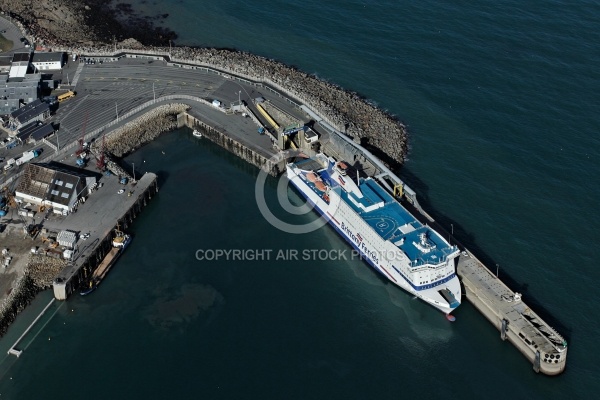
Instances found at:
x=54 y=185
x=47 y=61
x=37 y=110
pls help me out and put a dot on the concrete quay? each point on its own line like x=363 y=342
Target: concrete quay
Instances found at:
x=505 y=309
x=130 y=81
x=100 y=215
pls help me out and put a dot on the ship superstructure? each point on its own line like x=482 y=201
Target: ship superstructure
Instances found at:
x=408 y=253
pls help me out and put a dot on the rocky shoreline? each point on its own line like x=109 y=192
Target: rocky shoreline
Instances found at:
x=93 y=27
x=39 y=274
x=70 y=22
x=142 y=130
x=20 y=297
x=347 y=111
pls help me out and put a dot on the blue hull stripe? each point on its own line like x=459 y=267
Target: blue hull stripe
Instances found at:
x=328 y=217
x=341 y=233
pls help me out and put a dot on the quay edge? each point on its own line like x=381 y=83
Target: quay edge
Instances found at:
x=541 y=344
x=74 y=275
x=524 y=328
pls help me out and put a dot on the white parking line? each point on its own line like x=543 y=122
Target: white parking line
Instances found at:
x=77 y=73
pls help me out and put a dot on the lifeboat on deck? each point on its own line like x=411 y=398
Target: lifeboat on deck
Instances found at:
x=320 y=186
x=341 y=168
x=312 y=177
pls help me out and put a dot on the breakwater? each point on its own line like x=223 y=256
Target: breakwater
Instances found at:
x=346 y=111
x=20 y=297
x=346 y=129
x=541 y=344
x=142 y=130
x=38 y=275
x=43 y=269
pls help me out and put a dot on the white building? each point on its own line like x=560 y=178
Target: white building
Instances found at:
x=53 y=185
x=45 y=61
x=19 y=65
x=66 y=239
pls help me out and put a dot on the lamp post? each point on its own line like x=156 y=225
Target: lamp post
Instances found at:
x=243 y=88
x=117 y=112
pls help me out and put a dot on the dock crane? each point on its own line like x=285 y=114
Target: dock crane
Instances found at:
x=101 y=164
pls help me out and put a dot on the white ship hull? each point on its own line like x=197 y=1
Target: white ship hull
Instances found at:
x=382 y=254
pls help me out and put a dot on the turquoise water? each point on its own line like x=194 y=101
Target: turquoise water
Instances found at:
x=501 y=100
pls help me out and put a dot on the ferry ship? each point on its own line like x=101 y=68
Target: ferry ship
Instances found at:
x=385 y=234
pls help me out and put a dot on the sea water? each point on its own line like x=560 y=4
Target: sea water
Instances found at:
x=501 y=103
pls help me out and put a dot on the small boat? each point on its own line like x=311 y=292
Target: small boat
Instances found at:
x=312 y=177
x=91 y=287
x=450 y=317
x=121 y=240
x=320 y=186
x=197 y=133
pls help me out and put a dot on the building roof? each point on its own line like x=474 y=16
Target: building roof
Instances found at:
x=51 y=182
x=47 y=57
x=36 y=130
x=66 y=238
x=27 y=90
x=17 y=71
x=30 y=111
x=42 y=132
x=19 y=65
x=21 y=57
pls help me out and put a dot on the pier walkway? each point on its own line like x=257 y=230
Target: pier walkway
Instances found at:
x=505 y=309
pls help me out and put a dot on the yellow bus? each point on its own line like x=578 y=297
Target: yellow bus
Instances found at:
x=66 y=96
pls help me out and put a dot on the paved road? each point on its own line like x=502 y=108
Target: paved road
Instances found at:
x=13 y=34
x=107 y=91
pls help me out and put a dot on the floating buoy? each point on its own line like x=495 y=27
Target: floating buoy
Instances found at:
x=450 y=317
